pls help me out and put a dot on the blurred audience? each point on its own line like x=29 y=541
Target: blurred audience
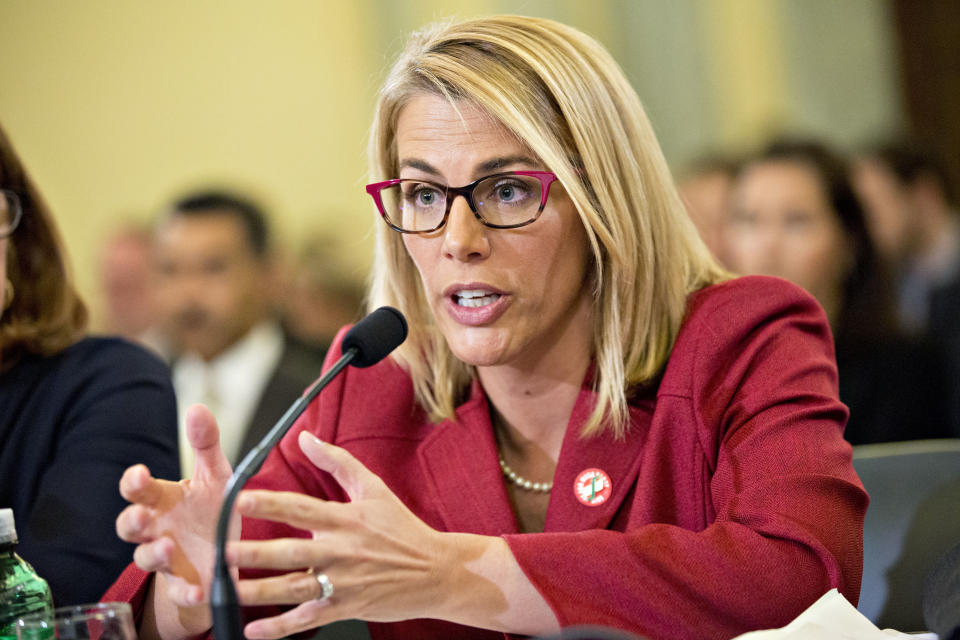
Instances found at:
x=795 y=215
x=77 y=410
x=322 y=295
x=129 y=288
x=911 y=209
x=705 y=188
x=911 y=215
x=215 y=289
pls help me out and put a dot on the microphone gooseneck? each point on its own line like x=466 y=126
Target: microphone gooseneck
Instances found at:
x=366 y=343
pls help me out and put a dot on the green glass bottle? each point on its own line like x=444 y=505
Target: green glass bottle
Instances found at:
x=22 y=591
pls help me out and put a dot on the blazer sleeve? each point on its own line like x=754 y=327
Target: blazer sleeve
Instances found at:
x=786 y=508
x=122 y=411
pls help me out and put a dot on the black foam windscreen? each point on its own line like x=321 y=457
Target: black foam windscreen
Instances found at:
x=375 y=336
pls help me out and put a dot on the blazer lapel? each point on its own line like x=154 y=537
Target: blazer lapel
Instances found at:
x=460 y=463
x=618 y=459
x=459 y=459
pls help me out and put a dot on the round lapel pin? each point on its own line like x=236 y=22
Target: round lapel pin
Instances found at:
x=592 y=487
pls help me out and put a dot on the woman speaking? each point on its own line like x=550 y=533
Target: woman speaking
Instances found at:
x=590 y=422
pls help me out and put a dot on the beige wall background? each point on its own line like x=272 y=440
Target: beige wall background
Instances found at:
x=117 y=106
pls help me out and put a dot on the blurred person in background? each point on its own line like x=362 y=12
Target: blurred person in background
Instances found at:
x=129 y=288
x=795 y=215
x=705 y=188
x=216 y=289
x=912 y=216
x=320 y=296
x=76 y=410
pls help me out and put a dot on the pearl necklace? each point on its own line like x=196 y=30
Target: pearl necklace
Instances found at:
x=523 y=483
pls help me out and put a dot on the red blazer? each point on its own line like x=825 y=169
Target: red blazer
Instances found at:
x=734 y=504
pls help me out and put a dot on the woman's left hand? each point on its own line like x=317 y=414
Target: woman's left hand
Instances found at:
x=384 y=562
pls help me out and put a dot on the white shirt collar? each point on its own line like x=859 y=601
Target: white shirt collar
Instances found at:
x=231 y=385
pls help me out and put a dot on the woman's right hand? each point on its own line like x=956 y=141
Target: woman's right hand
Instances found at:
x=174 y=525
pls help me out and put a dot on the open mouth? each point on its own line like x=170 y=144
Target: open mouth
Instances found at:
x=475 y=298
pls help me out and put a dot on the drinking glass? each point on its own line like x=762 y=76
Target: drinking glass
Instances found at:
x=100 y=621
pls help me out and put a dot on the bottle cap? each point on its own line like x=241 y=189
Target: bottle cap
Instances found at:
x=8 y=531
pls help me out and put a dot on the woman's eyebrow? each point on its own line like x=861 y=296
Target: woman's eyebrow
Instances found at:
x=416 y=163
x=486 y=167
x=500 y=163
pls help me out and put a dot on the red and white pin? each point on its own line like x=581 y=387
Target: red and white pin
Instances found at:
x=592 y=487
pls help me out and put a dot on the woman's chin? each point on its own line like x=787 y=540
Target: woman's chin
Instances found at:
x=477 y=350
x=478 y=356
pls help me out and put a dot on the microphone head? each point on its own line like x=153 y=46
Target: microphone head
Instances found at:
x=375 y=336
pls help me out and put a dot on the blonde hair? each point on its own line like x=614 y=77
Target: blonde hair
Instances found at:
x=561 y=93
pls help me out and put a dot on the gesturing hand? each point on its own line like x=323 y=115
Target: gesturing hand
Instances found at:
x=174 y=526
x=382 y=560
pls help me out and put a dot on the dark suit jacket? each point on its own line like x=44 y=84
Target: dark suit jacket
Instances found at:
x=944 y=320
x=297 y=369
x=896 y=389
x=70 y=424
x=945 y=331
x=734 y=504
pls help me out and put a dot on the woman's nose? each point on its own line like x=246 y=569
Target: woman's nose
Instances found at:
x=465 y=238
x=769 y=250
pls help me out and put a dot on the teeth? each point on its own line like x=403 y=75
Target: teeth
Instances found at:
x=477 y=302
x=476 y=298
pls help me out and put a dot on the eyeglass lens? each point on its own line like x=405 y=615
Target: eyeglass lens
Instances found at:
x=9 y=212
x=504 y=200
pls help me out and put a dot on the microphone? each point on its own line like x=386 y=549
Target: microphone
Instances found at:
x=366 y=343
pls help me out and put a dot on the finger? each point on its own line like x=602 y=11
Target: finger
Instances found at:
x=136 y=524
x=181 y=593
x=290 y=588
x=309 y=615
x=296 y=509
x=282 y=553
x=136 y=485
x=204 y=436
x=154 y=556
x=358 y=481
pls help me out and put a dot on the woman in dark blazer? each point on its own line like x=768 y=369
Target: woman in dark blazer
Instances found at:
x=795 y=215
x=75 y=411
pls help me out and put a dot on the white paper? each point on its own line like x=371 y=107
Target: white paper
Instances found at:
x=832 y=617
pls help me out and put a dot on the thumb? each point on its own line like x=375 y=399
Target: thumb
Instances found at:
x=204 y=437
x=358 y=481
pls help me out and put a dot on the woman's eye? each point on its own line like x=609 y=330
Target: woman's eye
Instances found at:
x=423 y=196
x=743 y=219
x=510 y=192
x=798 y=221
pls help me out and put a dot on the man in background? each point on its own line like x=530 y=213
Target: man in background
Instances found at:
x=908 y=199
x=911 y=210
x=322 y=294
x=127 y=282
x=215 y=307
